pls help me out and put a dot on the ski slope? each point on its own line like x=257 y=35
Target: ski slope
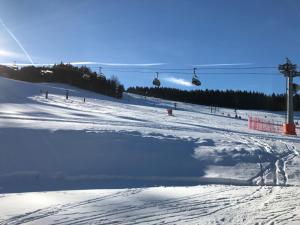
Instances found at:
x=208 y=204
x=138 y=161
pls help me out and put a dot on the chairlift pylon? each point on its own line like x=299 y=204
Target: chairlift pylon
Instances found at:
x=156 y=81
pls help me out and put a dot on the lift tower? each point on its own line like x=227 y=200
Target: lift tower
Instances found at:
x=289 y=71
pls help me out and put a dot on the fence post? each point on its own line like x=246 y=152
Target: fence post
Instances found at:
x=249 y=122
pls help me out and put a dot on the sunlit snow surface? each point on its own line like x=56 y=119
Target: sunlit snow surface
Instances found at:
x=126 y=146
x=207 y=204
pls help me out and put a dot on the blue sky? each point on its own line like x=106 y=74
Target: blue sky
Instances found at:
x=170 y=33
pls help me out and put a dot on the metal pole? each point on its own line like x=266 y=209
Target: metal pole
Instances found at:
x=290 y=105
x=289 y=71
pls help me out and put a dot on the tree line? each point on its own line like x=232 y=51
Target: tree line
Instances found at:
x=228 y=98
x=84 y=78
x=81 y=77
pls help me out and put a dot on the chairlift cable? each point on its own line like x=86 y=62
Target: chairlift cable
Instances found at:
x=185 y=73
x=188 y=69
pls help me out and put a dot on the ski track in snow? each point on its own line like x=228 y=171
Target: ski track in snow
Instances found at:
x=204 y=205
x=280 y=150
x=220 y=147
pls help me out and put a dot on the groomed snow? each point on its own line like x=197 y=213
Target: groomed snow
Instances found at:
x=208 y=204
x=58 y=144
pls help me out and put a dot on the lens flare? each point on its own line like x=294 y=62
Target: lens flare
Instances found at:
x=17 y=41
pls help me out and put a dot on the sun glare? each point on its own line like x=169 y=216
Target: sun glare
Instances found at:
x=5 y=53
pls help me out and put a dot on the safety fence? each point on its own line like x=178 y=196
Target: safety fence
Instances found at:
x=267 y=125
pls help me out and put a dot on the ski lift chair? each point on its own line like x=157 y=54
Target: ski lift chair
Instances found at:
x=156 y=81
x=195 y=80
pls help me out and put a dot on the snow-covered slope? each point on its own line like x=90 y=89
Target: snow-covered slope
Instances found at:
x=160 y=205
x=59 y=144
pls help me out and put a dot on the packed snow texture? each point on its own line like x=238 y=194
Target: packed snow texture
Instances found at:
x=207 y=204
x=52 y=143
